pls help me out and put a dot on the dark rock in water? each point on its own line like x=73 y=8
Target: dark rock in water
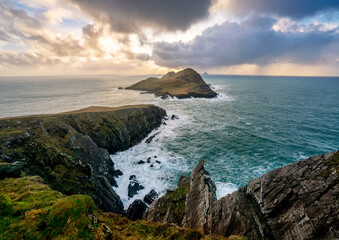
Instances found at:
x=132 y=177
x=298 y=201
x=141 y=162
x=151 y=196
x=152 y=165
x=157 y=161
x=174 y=117
x=120 y=88
x=149 y=160
x=164 y=123
x=149 y=140
x=155 y=156
x=11 y=169
x=134 y=186
x=136 y=210
x=71 y=151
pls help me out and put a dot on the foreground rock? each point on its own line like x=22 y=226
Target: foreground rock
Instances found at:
x=184 y=84
x=70 y=151
x=298 y=201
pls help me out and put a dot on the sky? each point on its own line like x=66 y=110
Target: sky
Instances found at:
x=134 y=37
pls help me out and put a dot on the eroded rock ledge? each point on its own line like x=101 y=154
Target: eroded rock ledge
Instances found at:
x=70 y=151
x=298 y=201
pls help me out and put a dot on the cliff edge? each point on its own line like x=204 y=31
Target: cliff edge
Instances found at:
x=70 y=151
x=184 y=84
x=298 y=201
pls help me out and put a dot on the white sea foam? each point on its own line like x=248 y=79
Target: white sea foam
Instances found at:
x=225 y=188
x=161 y=175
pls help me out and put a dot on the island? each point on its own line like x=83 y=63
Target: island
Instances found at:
x=183 y=84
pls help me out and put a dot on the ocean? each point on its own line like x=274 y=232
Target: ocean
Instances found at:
x=256 y=124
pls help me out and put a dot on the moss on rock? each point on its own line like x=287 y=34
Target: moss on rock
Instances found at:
x=31 y=210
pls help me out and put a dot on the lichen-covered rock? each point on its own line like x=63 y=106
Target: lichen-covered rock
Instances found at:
x=70 y=151
x=298 y=201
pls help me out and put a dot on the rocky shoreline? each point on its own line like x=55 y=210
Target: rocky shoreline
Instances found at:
x=69 y=152
x=298 y=201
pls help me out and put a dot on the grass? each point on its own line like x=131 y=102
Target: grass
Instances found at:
x=174 y=84
x=31 y=210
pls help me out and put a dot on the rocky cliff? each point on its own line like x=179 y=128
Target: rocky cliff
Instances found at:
x=183 y=84
x=70 y=151
x=298 y=201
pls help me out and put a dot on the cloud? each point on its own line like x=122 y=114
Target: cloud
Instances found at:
x=287 y=8
x=252 y=41
x=130 y=15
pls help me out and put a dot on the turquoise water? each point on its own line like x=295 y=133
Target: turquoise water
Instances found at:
x=255 y=125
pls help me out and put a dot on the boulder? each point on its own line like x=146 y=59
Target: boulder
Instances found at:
x=151 y=196
x=136 y=210
x=11 y=169
x=134 y=186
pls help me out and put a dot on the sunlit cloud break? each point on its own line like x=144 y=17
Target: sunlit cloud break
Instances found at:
x=141 y=37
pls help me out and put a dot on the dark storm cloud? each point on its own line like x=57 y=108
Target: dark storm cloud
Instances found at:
x=130 y=15
x=250 y=42
x=286 y=8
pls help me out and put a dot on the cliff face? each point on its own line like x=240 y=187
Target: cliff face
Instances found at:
x=298 y=201
x=70 y=151
x=184 y=84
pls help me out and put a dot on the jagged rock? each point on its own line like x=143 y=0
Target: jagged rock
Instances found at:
x=174 y=117
x=134 y=186
x=120 y=88
x=199 y=199
x=141 y=162
x=70 y=151
x=174 y=207
x=157 y=161
x=149 y=160
x=298 y=201
x=151 y=196
x=150 y=139
x=136 y=210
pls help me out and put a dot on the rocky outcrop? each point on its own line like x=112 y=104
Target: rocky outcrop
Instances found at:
x=189 y=204
x=136 y=210
x=70 y=151
x=183 y=84
x=298 y=201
